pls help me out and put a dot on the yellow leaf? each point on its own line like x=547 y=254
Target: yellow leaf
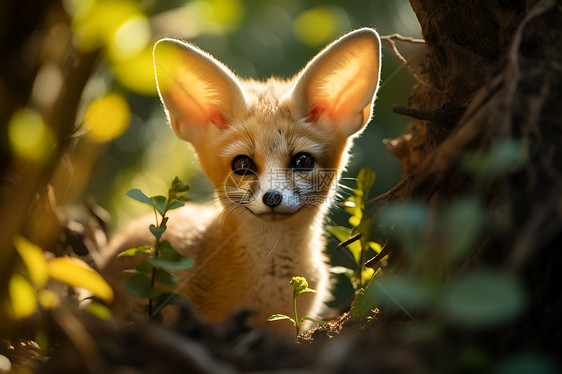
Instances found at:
x=23 y=297
x=99 y=310
x=366 y=275
x=77 y=273
x=34 y=260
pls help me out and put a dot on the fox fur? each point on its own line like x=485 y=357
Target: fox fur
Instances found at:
x=256 y=141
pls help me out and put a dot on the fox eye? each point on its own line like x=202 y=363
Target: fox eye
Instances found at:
x=243 y=165
x=302 y=161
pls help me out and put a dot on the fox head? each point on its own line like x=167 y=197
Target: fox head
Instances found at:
x=272 y=149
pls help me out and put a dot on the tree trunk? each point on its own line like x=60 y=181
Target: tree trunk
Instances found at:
x=494 y=71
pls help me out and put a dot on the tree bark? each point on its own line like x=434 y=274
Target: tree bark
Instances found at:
x=494 y=70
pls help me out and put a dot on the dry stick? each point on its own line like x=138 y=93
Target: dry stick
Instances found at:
x=389 y=40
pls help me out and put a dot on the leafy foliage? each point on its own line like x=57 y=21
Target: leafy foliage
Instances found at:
x=300 y=285
x=162 y=258
x=27 y=287
x=356 y=240
x=434 y=242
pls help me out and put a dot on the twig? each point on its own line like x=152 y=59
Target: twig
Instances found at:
x=421 y=114
x=389 y=40
x=351 y=239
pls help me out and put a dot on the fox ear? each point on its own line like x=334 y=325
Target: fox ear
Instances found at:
x=197 y=90
x=337 y=88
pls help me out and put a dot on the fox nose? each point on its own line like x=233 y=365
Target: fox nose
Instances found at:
x=272 y=198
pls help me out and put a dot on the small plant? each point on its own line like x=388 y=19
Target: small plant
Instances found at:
x=356 y=240
x=300 y=285
x=161 y=259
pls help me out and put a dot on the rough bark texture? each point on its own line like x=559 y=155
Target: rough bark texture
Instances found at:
x=496 y=72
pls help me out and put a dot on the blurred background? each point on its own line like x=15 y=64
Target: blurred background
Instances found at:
x=119 y=137
x=256 y=39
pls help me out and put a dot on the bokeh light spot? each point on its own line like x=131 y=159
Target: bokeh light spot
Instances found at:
x=107 y=117
x=29 y=136
x=320 y=24
x=130 y=38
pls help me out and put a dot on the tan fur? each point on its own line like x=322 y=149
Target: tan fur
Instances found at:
x=246 y=251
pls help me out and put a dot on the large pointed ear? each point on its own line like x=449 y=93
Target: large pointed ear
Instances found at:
x=337 y=88
x=197 y=90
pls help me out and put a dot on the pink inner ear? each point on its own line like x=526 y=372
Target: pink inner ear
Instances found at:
x=321 y=108
x=217 y=118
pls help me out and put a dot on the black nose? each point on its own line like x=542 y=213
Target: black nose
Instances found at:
x=272 y=199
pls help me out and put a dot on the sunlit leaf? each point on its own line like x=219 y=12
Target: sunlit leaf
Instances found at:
x=99 y=310
x=366 y=275
x=107 y=117
x=34 y=260
x=77 y=273
x=342 y=234
x=29 y=136
x=136 y=250
x=365 y=180
x=23 y=298
x=279 y=317
x=483 y=298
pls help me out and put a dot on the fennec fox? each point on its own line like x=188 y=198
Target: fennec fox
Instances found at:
x=273 y=151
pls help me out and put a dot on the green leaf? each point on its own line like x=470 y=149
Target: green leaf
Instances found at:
x=483 y=298
x=179 y=186
x=507 y=154
x=159 y=203
x=365 y=180
x=398 y=292
x=171 y=260
x=279 y=317
x=341 y=233
x=170 y=298
x=176 y=204
x=463 y=224
x=165 y=278
x=138 y=195
x=157 y=231
x=139 y=285
x=341 y=270
x=143 y=267
x=320 y=322
x=133 y=251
